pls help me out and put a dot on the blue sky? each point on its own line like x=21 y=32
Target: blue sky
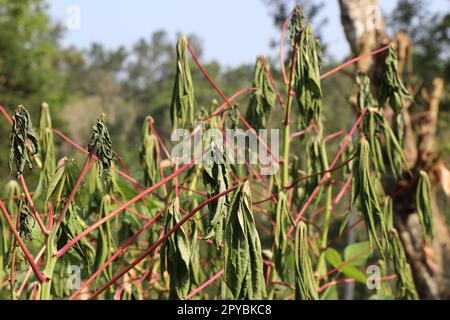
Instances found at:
x=232 y=31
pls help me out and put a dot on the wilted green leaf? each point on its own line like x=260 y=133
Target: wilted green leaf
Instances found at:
x=24 y=143
x=243 y=274
x=176 y=252
x=262 y=100
x=423 y=204
x=100 y=145
x=305 y=284
x=216 y=181
x=406 y=289
x=182 y=108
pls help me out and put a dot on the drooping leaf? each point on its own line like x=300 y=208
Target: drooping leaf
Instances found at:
x=423 y=204
x=406 y=289
x=24 y=143
x=262 y=100
x=149 y=153
x=105 y=245
x=216 y=181
x=182 y=108
x=62 y=182
x=26 y=222
x=392 y=90
x=316 y=162
x=100 y=145
x=364 y=94
x=176 y=252
x=363 y=188
x=243 y=273
x=71 y=226
x=305 y=284
x=280 y=234
x=306 y=80
x=46 y=150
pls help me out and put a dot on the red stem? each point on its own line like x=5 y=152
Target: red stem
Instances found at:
x=22 y=245
x=33 y=208
x=205 y=284
x=208 y=77
x=71 y=243
x=223 y=106
x=6 y=115
x=28 y=274
x=367 y=55
x=123 y=174
x=350 y=280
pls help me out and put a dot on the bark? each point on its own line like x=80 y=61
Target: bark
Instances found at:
x=364 y=28
x=429 y=262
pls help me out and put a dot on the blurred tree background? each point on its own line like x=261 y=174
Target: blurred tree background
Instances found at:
x=129 y=84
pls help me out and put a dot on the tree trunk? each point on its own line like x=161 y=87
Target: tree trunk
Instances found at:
x=428 y=262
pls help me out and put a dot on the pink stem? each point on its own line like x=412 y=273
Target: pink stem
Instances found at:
x=33 y=208
x=223 y=106
x=367 y=55
x=88 y=163
x=28 y=274
x=22 y=245
x=208 y=77
x=206 y=284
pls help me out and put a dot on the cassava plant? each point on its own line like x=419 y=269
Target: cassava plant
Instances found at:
x=213 y=229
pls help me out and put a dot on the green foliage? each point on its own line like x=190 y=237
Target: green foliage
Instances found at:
x=243 y=275
x=305 y=284
x=24 y=143
x=423 y=204
x=262 y=100
x=182 y=109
